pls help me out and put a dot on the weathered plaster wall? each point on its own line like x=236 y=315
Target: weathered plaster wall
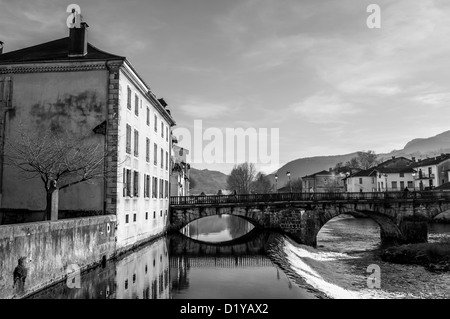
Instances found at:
x=56 y=102
x=50 y=247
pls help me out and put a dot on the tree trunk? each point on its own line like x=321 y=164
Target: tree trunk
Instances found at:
x=51 y=211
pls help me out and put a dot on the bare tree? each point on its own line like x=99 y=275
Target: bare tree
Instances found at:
x=261 y=184
x=241 y=178
x=60 y=161
x=297 y=185
x=367 y=159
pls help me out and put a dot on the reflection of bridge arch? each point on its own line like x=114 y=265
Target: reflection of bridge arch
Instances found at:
x=253 y=243
x=243 y=261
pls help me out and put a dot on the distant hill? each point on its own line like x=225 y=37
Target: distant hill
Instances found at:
x=212 y=181
x=208 y=182
x=306 y=166
x=419 y=148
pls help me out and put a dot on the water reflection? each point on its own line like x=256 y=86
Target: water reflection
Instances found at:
x=221 y=228
x=177 y=267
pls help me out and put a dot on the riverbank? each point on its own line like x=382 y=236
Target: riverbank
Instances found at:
x=433 y=256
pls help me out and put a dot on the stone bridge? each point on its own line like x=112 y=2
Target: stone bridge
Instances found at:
x=403 y=217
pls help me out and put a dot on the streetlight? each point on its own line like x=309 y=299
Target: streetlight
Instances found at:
x=289 y=176
x=276 y=182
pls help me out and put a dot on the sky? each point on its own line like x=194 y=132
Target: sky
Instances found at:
x=310 y=69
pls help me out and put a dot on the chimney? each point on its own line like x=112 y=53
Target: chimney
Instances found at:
x=78 y=41
x=1 y=47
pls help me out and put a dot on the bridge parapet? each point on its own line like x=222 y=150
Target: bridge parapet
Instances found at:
x=425 y=196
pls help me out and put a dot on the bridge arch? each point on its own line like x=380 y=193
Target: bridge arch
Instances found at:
x=389 y=230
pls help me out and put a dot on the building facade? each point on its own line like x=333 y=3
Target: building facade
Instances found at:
x=432 y=172
x=322 y=182
x=70 y=85
x=180 y=178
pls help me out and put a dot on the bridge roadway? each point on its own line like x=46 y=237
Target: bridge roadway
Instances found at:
x=403 y=217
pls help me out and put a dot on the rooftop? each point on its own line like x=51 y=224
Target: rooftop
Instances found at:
x=57 y=50
x=432 y=161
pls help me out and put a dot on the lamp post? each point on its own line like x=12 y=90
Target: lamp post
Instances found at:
x=289 y=176
x=276 y=182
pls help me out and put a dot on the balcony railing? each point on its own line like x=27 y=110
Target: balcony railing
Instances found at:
x=424 y=176
x=310 y=197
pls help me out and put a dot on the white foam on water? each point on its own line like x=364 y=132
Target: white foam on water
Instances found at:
x=319 y=271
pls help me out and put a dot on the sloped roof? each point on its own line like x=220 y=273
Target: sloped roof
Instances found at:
x=57 y=50
x=322 y=173
x=432 y=161
x=364 y=173
x=445 y=186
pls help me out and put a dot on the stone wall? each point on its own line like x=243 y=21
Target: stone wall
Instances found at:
x=46 y=249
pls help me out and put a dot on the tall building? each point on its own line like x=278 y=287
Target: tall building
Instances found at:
x=180 y=178
x=70 y=85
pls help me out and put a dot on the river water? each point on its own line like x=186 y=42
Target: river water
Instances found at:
x=224 y=257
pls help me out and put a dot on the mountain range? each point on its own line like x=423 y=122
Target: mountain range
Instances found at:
x=211 y=181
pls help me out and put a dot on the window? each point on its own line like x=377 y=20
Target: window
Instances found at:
x=166 y=212
x=167 y=161
x=162 y=158
x=360 y=180
x=136 y=105
x=136 y=143
x=155 y=155
x=155 y=188
x=127 y=183
x=161 y=188
x=128 y=139
x=136 y=184
x=160 y=214
x=147 y=150
x=148 y=116
x=162 y=129
x=129 y=98
x=167 y=134
x=134 y=218
x=402 y=174
x=402 y=185
x=410 y=184
x=146 y=186
x=127 y=217
x=146 y=218
x=126 y=284
x=394 y=185
x=167 y=189
x=156 y=124
x=154 y=217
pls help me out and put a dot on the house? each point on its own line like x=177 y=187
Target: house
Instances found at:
x=324 y=181
x=395 y=174
x=362 y=181
x=432 y=172
x=179 y=179
x=69 y=84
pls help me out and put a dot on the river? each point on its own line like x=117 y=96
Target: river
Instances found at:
x=224 y=257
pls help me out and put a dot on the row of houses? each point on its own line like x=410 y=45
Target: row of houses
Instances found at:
x=395 y=174
x=69 y=84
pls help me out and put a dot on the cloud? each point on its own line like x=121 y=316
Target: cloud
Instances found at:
x=324 y=109
x=198 y=109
